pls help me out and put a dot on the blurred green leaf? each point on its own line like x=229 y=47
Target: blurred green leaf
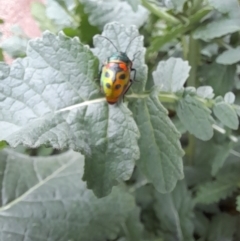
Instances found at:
x=220 y=77
x=171 y=75
x=38 y=11
x=103 y=12
x=238 y=203
x=15 y=46
x=230 y=7
x=195 y=117
x=201 y=224
x=87 y=31
x=212 y=192
x=217 y=29
x=205 y=92
x=230 y=56
x=226 y=114
x=134 y=4
x=178 y=4
x=222 y=227
x=133 y=227
x=175 y=212
x=45 y=199
x=229 y=97
x=61 y=13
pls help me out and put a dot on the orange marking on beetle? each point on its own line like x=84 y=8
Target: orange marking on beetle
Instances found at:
x=123 y=66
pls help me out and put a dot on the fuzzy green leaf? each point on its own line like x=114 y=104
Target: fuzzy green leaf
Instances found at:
x=195 y=117
x=217 y=29
x=160 y=150
x=222 y=227
x=230 y=56
x=226 y=114
x=175 y=212
x=171 y=75
x=57 y=205
x=103 y=12
x=121 y=37
x=50 y=97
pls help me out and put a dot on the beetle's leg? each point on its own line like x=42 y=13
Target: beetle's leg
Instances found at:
x=125 y=92
x=134 y=75
x=99 y=77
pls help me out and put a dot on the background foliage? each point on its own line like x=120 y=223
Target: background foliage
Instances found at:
x=161 y=166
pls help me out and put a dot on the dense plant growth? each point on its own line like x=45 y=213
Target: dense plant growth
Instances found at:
x=162 y=165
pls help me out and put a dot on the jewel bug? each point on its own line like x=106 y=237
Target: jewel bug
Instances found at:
x=115 y=75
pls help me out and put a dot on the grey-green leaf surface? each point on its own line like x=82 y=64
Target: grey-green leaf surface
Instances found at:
x=57 y=205
x=226 y=114
x=160 y=150
x=50 y=97
x=175 y=212
x=171 y=75
x=195 y=117
x=121 y=37
x=103 y=12
x=217 y=29
x=222 y=227
x=230 y=56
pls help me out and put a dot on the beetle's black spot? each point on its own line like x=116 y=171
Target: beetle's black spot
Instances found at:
x=108 y=85
x=122 y=76
x=107 y=75
x=118 y=86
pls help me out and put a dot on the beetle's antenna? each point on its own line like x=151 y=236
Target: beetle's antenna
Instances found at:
x=130 y=43
x=135 y=55
x=109 y=41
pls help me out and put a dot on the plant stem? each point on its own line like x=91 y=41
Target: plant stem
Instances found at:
x=159 y=12
x=193 y=59
x=178 y=30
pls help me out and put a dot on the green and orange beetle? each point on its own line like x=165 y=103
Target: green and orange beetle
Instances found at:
x=115 y=76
